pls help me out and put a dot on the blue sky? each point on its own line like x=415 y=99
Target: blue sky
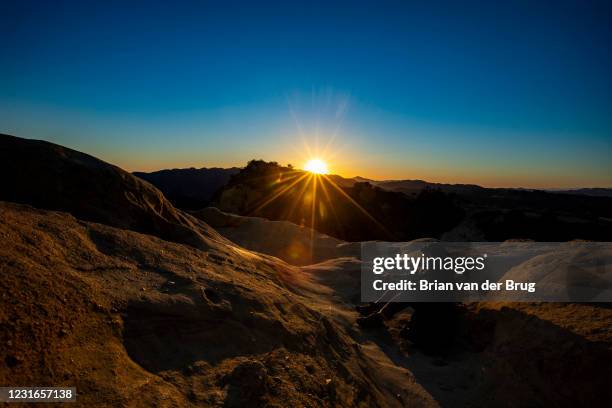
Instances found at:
x=514 y=93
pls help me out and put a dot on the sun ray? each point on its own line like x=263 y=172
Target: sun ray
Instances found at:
x=285 y=178
x=315 y=179
x=298 y=198
x=332 y=208
x=356 y=204
x=281 y=192
x=340 y=116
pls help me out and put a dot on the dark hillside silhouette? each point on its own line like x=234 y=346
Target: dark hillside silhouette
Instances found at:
x=189 y=189
x=360 y=210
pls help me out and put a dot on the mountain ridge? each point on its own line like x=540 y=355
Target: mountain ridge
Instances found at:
x=189 y=188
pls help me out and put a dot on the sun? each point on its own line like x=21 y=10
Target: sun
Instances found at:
x=316 y=166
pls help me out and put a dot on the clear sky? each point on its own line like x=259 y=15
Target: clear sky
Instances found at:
x=499 y=93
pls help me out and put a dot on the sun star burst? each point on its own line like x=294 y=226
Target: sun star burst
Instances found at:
x=316 y=166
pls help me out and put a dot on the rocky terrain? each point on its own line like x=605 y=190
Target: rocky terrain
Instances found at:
x=108 y=287
x=297 y=245
x=132 y=320
x=151 y=306
x=52 y=177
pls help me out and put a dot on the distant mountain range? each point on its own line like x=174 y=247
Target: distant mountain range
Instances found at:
x=402 y=209
x=189 y=188
x=413 y=187
x=360 y=209
x=593 y=192
x=193 y=189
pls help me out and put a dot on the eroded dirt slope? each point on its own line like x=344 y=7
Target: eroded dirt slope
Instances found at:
x=292 y=243
x=132 y=320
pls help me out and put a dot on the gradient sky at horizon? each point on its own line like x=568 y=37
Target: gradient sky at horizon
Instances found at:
x=515 y=93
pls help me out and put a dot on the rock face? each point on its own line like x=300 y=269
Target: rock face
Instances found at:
x=53 y=177
x=130 y=319
x=285 y=240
